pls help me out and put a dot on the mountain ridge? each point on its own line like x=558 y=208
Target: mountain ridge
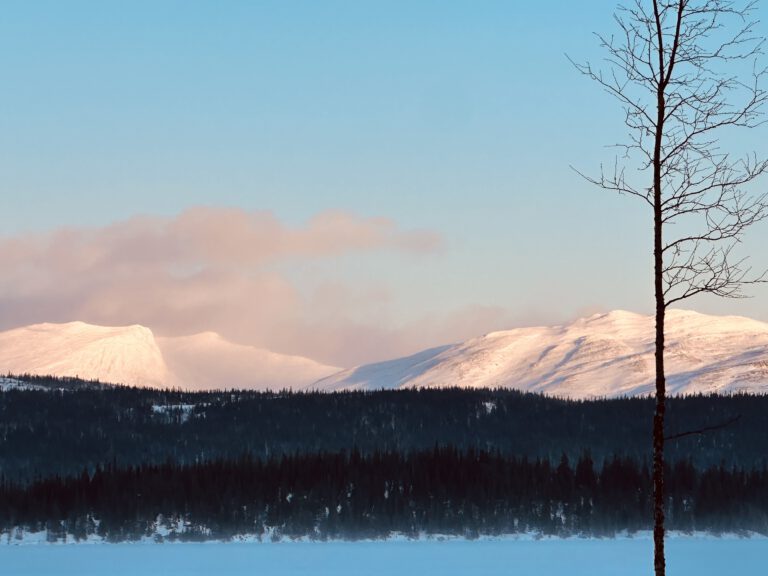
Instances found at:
x=133 y=355
x=603 y=355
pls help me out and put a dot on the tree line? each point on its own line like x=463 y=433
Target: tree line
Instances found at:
x=352 y=495
x=65 y=430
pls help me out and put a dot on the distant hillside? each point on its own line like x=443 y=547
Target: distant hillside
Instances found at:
x=132 y=355
x=606 y=355
x=126 y=354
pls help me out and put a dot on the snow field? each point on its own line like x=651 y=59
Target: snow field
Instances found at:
x=699 y=555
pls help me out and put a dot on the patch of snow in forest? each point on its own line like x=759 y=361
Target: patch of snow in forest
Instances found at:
x=7 y=384
x=182 y=410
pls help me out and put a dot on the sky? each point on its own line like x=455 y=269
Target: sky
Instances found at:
x=349 y=181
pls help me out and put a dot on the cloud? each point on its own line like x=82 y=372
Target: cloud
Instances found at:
x=211 y=269
x=375 y=342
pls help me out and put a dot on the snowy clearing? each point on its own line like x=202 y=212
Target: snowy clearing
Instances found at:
x=698 y=555
x=8 y=384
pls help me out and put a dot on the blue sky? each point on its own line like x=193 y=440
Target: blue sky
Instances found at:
x=460 y=119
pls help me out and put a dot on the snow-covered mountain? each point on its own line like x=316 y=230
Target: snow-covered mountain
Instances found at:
x=133 y=355
x=603 y=355
x=126 y=354
x=207 y=360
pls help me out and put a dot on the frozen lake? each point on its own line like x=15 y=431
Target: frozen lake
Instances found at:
x=686 y=556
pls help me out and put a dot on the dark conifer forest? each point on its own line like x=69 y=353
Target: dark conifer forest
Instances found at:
x=80 y=458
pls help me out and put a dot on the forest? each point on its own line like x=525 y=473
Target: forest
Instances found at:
x=80 y=458
x=348 y=495
x=72 y=426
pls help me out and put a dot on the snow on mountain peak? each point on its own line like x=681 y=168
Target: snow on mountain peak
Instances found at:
x=608 y=354
x=132 y=355
x=126 y=354
x=207 y=360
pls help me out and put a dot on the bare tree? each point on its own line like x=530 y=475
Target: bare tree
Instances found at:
x=686 y=73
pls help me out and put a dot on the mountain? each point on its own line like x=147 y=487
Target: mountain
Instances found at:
x=132 y=355
x=605 y=355
x=126 y=355
x=207 y=360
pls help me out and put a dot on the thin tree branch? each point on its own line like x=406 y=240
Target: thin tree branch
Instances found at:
x=703 y=430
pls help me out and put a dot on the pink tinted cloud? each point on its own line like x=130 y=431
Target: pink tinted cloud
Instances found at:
x=208 y=269
x=354 y=342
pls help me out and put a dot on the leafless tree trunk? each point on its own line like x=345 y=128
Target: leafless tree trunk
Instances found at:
x=678 y=68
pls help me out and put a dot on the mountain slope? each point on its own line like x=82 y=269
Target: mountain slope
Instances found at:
x=132 y=355
x=125 y=355
x=207 y=360
x=603 y=355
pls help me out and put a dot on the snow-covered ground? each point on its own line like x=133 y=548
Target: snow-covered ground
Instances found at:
x=699 y=555
x=7 y=384
x=182 y=411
